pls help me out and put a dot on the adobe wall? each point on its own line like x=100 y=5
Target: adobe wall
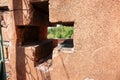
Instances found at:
x=62 y=10
x=19 y=65
x=96 y=38
x=9 y=34
x=38 y=0
x=6 y=3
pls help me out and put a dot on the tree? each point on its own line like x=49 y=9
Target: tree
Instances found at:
x=60 y=32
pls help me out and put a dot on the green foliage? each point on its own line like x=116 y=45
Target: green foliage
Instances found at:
x=60 y=32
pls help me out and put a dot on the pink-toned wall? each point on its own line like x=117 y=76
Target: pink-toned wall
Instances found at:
x=20 y=64
x=96 y=39
x=9 y=34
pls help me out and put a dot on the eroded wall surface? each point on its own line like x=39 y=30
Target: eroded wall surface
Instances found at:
x=96 y=38
x=20 y=63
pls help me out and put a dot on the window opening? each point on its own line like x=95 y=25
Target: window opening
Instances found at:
x=63 y=33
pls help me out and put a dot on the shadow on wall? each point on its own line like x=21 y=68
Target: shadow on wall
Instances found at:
x=24 y=66
x=20 y=53
x=20 y=64
x=25 y=69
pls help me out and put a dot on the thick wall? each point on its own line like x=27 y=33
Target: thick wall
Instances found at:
x=96 y=40
x=37 y=0
x=9 y=34
x=25 y=14
x=16 y=66
x=5 y=3
x=25 y=65
x=62 y=10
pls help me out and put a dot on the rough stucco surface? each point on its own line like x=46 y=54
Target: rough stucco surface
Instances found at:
x=9 y=34
x=38 y=0
x=27 y=64
x=62 y=10
x=23 y=12
x=96 y=39
x=4 y=2
x=16 y=68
